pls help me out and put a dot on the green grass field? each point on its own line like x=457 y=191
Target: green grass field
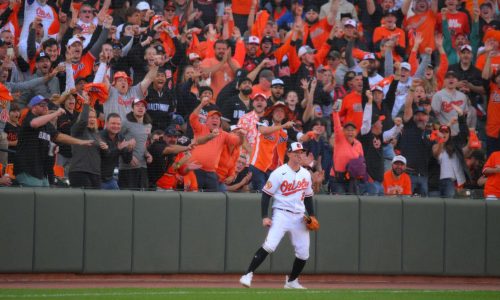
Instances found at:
x=241 y=294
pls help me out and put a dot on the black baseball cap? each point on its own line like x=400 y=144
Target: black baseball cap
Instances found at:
x=266 y=39
x=41 y=56
x=350 y=124
x=312 y=7
x=172 y=130
x=451 y=73
x=420 y=110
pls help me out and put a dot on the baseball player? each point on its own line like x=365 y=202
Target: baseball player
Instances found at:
x=291 y=187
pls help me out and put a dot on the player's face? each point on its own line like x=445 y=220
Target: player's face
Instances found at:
x=398 y=168
x=295 y=157
x=114 y=125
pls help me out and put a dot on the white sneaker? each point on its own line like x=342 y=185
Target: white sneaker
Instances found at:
x=246 y=280
x=293 y=284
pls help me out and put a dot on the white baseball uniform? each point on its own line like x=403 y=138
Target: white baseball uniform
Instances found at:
x=289 y=188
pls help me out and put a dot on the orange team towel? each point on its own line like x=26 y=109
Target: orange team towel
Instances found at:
x=97 y=92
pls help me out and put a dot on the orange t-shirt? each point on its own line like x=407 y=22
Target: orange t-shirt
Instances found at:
x=492 y=186
x=352 y=109
x=256 y=89
x=220 y=78
x=241 y=7
x=318 y=32
x=208 y=154
x=227 y=163
x=427 y=27
x=495 y=62
x=384 y=33
x=493 y=112
x=84 y=68
x=393 y=186
x=269 y=150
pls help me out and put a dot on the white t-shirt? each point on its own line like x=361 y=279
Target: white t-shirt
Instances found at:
x=87 y=30
x=289 y=188
x=33 y=9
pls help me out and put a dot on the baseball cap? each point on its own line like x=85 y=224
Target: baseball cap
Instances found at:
x=37 y=100
x=389 y=13
x=444 y=128
x=214 y=112
x=202 y=89
x=121 y=74
x=137 y=101
x=244 y=79
x=430 y=66
x=334 y=54
x=169 y=4
x=234 y=127
x=350 y=124
x=253 y=40
x=295 y=147
x=256 y=95
x=193 y=56
x=406 y=66
x=312 y=7
x=143 y=5
x=277 y=81
x=377 y=88
x=420 y=109
x=305 y=49
x=466 y=47
x=41 y=56
x=276 y=105
x=117 y=46
x=5 y=93
x=450 y=73
x=172 y=130
x=399 y=158
x=75 y=39
x=159 y=48
x=350 y=22
x=267 y=39
x=369 y=56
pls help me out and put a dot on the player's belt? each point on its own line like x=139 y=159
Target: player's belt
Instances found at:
x=297 y=213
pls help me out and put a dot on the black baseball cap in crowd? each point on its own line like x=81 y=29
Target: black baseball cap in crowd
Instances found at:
x=267 y=39
x=244 y=79
x=160 y=49
x=41 y=56
x=389 y=14
x=312 y=7
x=419 y=110
x=173 y=130
x=202 y=89
x=451 y=73
x=350 y=124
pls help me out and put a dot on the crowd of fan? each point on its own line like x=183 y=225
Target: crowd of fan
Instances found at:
x=387 y=96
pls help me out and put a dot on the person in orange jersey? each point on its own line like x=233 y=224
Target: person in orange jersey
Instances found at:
x=396 y=181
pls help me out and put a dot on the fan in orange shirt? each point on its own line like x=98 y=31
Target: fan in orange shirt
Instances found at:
x=423 y=21
x=492 y=171
x=396 y=181
x=389 y=31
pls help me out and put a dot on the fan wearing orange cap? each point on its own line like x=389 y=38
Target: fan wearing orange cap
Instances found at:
x=270 y=145
x=491 y=48
x=122 y=93
x=208 y=154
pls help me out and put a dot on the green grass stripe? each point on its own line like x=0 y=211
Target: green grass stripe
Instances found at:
x=242 y=294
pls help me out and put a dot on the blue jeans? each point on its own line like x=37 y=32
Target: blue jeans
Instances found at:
x=388 y=153
x=24 y=179
x=221 y=187
x=374 y=188
x=420 y=185
x=110 y=185
x=446 y=188
x=207 y=181
x=259 y=178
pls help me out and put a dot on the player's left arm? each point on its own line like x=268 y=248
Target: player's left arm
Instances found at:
x=308 y=203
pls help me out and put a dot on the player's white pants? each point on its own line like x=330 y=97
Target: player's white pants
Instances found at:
x=283 y=222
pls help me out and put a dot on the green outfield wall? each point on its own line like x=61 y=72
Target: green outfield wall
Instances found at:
x=76 y=231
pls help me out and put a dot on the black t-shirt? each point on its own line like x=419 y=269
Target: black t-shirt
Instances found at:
x=33 y=148
x=416 y=148
x=372 y=148
x=12 y=135
x=64 y=124
x=160 y=162
x=161 y=105
x=233 y=109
